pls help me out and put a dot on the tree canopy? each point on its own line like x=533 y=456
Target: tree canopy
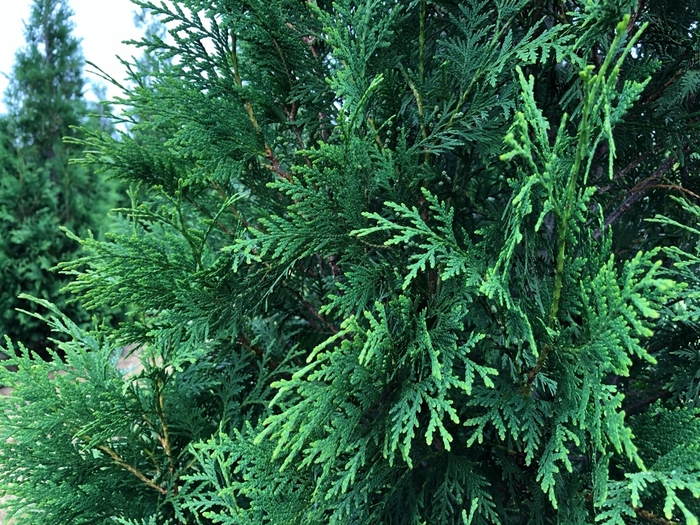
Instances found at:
x=40 y=192
x=391 y=262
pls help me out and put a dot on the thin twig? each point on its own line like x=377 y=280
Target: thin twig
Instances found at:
x=624 y=171
x=636 y=193
x=117 y=458
x=652 y=518
x=165 y=438
x=313 y=310
x=243 y=340
x=677 y=187
x=233 y=210
x=274 y=163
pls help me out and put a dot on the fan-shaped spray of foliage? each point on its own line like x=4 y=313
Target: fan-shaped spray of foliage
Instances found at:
x=380 y=268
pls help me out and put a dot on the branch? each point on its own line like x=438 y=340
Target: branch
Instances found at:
x=233 y=210
x=165 y=438
x=624 y=171
x=637 y=192
x=642 y=513
x=532 y=374
x=677 y=187
x=117 y=458
x=651 y=517
x=634 y=407
x=246 y=343
x=313 y=311
x=274 y=163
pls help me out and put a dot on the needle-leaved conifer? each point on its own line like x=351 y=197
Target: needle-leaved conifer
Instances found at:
x=387 y=262
x=40 y=191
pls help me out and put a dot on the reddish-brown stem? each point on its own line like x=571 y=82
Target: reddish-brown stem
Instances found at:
x=313 y=311
x=275 y=165
x=677 y=187
x=243 y=340
x=164 y=439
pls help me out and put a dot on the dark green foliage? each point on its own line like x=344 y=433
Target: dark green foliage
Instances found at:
x=391 y=262
x=39 y=191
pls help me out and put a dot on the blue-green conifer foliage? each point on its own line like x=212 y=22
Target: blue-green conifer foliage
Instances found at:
x=387 y=262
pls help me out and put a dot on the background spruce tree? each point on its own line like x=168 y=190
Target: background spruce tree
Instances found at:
x=386 y=262
x=39 y=191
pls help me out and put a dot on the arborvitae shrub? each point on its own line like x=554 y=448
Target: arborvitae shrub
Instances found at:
x=387 y=262
x=40 y=191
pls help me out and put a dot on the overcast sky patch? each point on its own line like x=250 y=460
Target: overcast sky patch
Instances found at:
x=101 y=24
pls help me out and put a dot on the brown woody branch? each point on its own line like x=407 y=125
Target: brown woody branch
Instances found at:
x=243 y=340
x=274 y=163
x=641 y=513
x=624 y=171
x=677 y=187
x=637 y=192
x=532 y=374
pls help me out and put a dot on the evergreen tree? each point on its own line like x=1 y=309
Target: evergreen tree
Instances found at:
x=387 y=262
x=39 y=191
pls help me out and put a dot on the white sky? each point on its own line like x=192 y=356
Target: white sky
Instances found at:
x=101 y=24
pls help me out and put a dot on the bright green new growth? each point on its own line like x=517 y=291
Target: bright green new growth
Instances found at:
x=374 y=266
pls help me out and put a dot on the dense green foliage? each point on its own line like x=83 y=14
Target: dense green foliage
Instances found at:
x=39 y=191
x=386 y=262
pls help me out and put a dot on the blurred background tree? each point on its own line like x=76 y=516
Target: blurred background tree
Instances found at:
x=40 y=190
